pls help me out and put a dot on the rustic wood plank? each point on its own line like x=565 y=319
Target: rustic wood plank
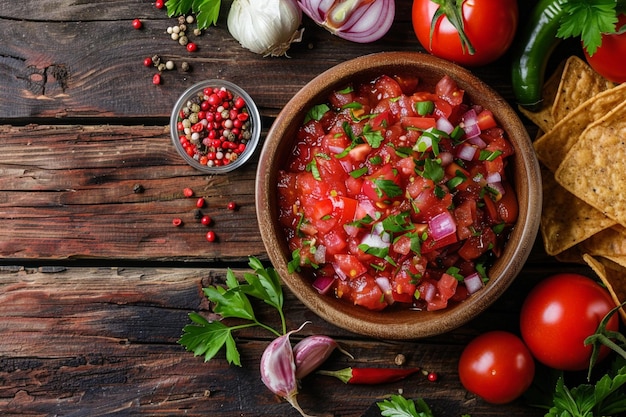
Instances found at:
x=102 y=341
x=68 y=192
x=46 y=77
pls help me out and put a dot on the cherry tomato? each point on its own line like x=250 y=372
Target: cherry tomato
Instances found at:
x=558 y=314
x=490 y=26
x=497 y=367
x=610 y=58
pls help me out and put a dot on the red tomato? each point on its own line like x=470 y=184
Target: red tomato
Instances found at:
x=558 y=314
x=497 y=367
x=610 y=58
x=490 y=26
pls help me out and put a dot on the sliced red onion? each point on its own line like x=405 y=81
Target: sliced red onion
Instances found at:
x=446 y=158
x=466 y=152
x=442 y=225
x=473 y=282
x=444 y=125
x=360 y=21
x=323 y=283
x=470 y=124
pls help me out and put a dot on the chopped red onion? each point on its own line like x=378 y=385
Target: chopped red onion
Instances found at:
x=442 y=225
x=323 y=283
x=470 y=124
x=466 y=152
x=444 y=125
x=385 y=286
x=493 y=177
x=473 y=282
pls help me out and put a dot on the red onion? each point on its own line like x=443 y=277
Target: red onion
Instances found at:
x=323 y=283
x=442 y=225
x=444 y=125
x=466 y=152
x=473 y=283
x=385 y=286
x=360 y=21
x=470 y=124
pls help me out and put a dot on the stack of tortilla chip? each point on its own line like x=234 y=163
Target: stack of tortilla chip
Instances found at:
x=582 y=148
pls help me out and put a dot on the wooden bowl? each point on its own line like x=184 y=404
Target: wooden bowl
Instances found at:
x=398 y=324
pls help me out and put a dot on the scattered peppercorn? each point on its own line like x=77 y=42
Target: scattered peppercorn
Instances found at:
x=232 y=205
x=400 y=359
x=177 y=222
x=432 y=376
x=197 y=214
x=147 y=62
x=137 y=24
x=200 y=202
x=188 y=192
x=205 y=220
x=156 y=79
x=210 y=236
x=159 y=4
x=184 y=66
x=138 y=189
x=192 y=47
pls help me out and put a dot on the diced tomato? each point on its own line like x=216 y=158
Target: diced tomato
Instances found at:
x=385 y=87
x=378 y=186
x=477 y=245
x=418 y=122
x=381 y=121
x=448 y=90
x=349 y=265
x=408 y=84
x=486 y=120
x=430 y=245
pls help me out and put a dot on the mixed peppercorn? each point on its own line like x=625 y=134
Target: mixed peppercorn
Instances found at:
x=214 y=127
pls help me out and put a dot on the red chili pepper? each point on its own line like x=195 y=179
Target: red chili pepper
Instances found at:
x=370 y=376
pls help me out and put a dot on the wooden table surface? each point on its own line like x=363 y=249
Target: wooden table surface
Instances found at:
x=95 y=283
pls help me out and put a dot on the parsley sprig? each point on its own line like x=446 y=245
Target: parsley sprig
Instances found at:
x=206 y=11
x=207 y=337
x=398 y=406
x=589 y=19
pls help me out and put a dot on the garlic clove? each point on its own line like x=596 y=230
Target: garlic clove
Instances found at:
x=311 y=352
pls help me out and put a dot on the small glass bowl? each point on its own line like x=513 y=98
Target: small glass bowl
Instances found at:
x=209 y=149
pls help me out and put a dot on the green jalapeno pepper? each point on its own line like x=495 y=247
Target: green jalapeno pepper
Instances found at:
x=536 y=42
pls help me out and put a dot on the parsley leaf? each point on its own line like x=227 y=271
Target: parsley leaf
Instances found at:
x=206 y=11
x=207 y=337
x=390 y=188
x=588 y=19
x=316 y=113
x=398 y=406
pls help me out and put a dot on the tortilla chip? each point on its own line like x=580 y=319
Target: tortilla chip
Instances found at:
x=565 y=219
x=594 y=169
x=579 y=82
x=571 y=255
x=614 y=278
x=553 y=145
x=608 y=242
x=542 y=118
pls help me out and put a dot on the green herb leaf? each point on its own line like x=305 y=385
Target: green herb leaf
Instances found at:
x=398 y=406
x=204 y=337
x=390 y=188
x=316 y=113
x=588 y=19
x=207 y=338
x=206 y=11
x=373 y=137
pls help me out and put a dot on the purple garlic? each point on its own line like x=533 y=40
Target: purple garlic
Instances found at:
x=311 y=352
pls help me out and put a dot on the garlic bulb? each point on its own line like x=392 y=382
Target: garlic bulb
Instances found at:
x=266 y=27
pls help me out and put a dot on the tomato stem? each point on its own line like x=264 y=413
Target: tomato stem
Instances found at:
x=453 y=10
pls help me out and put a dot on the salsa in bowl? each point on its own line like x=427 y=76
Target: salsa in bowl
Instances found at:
x=398 y=182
